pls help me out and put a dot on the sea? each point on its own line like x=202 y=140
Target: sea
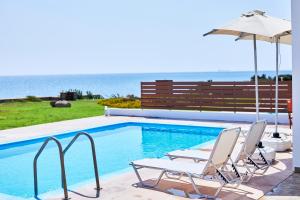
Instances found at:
x=106 y=84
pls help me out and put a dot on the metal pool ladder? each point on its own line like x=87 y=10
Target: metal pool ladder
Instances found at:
x=93 y=154
x=62 y=152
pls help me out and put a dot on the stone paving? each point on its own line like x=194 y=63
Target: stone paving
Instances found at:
x=289 y=189
x=122 y=187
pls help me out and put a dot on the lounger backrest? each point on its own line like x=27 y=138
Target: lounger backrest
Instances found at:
x=223 y=146
x=253 y=137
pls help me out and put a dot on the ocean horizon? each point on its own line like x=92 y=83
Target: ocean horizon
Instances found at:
x=107 y=84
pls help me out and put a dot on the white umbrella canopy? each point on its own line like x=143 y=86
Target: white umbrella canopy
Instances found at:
x=285 y=37
x=255 y=25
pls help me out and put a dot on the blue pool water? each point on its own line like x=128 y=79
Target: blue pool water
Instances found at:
x=116 y=146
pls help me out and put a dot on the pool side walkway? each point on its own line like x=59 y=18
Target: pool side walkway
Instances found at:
x=121 y=186
x=289 y=189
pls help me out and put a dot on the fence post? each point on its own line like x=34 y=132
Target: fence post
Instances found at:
x=199 y=89
x=141 y=89
x=234 y=96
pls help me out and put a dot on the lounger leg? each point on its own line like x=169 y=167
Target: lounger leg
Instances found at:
x=226 y=168
x=249 y=173
x=222 y=183
x=194 y=184
x=141 y=180
x=239 y=179
x=265 y=166
x=266 y=162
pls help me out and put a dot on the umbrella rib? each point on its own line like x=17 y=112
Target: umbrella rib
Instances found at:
x=210 y=32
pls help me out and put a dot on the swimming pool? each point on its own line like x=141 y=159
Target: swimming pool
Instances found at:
x=116 y=146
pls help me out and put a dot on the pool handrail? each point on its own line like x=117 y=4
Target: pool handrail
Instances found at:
x=62 y=166
x=93 y=153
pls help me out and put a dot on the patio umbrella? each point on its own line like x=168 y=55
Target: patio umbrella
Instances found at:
x=282 y=38
x=255 y=25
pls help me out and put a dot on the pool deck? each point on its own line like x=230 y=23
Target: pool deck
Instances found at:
x=120 y=186
x=289 y=189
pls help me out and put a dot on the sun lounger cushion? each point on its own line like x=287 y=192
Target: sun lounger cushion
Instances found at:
x=177 y=166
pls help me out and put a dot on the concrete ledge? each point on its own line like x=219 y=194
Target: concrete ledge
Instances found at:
x=196 y=115
x=297 y=169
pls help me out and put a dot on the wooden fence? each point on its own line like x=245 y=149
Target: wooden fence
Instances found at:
x=214 y=96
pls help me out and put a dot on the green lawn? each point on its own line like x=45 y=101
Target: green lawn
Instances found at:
x=18 y=114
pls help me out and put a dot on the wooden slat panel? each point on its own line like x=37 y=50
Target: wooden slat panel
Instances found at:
x=236 y=101
x=219 y=96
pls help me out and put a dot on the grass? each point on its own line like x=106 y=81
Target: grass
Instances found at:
x=18 y=114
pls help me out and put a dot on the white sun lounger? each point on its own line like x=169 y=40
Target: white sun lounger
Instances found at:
x=242 y=152
x=214 y=167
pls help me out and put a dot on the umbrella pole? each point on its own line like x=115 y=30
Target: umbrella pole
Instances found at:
x=276 y=134
x=256 y=78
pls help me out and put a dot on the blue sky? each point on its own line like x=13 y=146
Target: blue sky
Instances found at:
x=124 y=36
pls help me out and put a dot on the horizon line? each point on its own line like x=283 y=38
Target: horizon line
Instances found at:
x=121 y=73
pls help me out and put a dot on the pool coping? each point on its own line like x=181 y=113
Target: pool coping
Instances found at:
x=99 y=128
x=57 y=128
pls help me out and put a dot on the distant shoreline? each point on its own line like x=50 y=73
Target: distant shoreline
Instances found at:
x=106 y=84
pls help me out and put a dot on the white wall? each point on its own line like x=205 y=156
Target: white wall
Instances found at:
x=296 y=80
x=197 y=115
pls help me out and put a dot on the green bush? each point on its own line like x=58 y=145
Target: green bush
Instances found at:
x=132 y=96
x=281 y=77
x=98 y=96
x=79 y=94
x=17 y=100
x=115 y=96
x=285 y=77
x=33 y=99
x=262 y=77
x=89 y=95
x=120 y=102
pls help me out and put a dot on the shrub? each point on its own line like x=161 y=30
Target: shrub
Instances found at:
x=98 y=96
x=285 y=77
x=79 y=94
x=262 y=77
x=116 y=96
x=281 y=77
x=89 y=95
x=69 y=96
x=33 y=99
x=17 y=100
x=131 y=96
x=120 y=102
x=52 y=103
